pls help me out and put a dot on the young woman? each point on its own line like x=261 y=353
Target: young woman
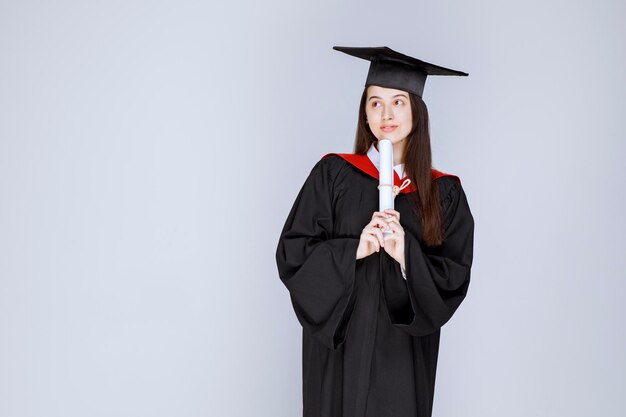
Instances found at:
x=371 y=304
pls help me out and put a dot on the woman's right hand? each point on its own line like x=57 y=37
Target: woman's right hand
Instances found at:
x=371 y=239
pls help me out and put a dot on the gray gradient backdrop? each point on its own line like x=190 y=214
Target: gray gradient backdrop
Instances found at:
x=150 y=152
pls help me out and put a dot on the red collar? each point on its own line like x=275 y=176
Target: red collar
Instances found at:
x=364 y=163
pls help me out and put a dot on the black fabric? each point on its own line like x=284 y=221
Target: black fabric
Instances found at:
x=391 y=74
x=370 y=339
x=392 y=69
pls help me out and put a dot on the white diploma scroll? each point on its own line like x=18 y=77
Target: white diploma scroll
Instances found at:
x=385 y=182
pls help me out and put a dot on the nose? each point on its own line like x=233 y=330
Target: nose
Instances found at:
x=387 y=115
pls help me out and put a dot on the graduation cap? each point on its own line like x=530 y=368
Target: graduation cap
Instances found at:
x=391 y=69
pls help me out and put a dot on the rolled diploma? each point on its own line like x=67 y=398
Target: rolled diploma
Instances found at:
x=385 y=194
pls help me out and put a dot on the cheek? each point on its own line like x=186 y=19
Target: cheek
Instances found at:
x=407 y=117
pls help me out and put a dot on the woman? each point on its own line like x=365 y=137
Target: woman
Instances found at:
x=372 y=304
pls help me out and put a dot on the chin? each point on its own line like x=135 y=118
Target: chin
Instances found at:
x=394 y=137
x=394 y=140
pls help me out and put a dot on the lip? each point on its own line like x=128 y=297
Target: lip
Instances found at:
x=388 y=128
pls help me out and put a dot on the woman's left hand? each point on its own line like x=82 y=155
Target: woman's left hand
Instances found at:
x=394 y=241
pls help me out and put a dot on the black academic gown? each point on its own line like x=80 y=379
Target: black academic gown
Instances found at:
x=370 y=338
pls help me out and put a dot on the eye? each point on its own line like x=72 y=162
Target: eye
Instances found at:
x=399 y=101
x=375 y=104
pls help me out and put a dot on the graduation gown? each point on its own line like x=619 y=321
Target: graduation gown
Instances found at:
x=370 y=338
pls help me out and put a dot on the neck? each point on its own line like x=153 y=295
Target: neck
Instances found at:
x=398 y=151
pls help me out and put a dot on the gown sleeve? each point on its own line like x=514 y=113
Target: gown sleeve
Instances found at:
x=437 y=278
x=317 y=268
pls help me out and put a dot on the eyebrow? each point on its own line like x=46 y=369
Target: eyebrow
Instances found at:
x=397 y=95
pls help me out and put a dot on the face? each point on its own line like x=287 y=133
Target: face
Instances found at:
x=388 y=113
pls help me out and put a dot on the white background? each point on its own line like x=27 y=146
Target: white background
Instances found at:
x=151 y=150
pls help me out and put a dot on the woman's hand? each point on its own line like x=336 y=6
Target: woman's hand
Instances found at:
x=394 y=241
x=371 y=238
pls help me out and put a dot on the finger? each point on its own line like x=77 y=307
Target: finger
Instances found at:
x=373 y=230
x=395 y=222
x=366 y=234
x=393 y=212
x=380 y=237
x=380 y=215
x=378 y=234
x=395 y=227
x=385 y=229
x=393 y=237
x=373 y=241
x=377 y=222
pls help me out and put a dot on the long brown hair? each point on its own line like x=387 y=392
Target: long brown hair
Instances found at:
x=417 y=164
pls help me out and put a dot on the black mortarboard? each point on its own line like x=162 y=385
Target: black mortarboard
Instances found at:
x=392 y=69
